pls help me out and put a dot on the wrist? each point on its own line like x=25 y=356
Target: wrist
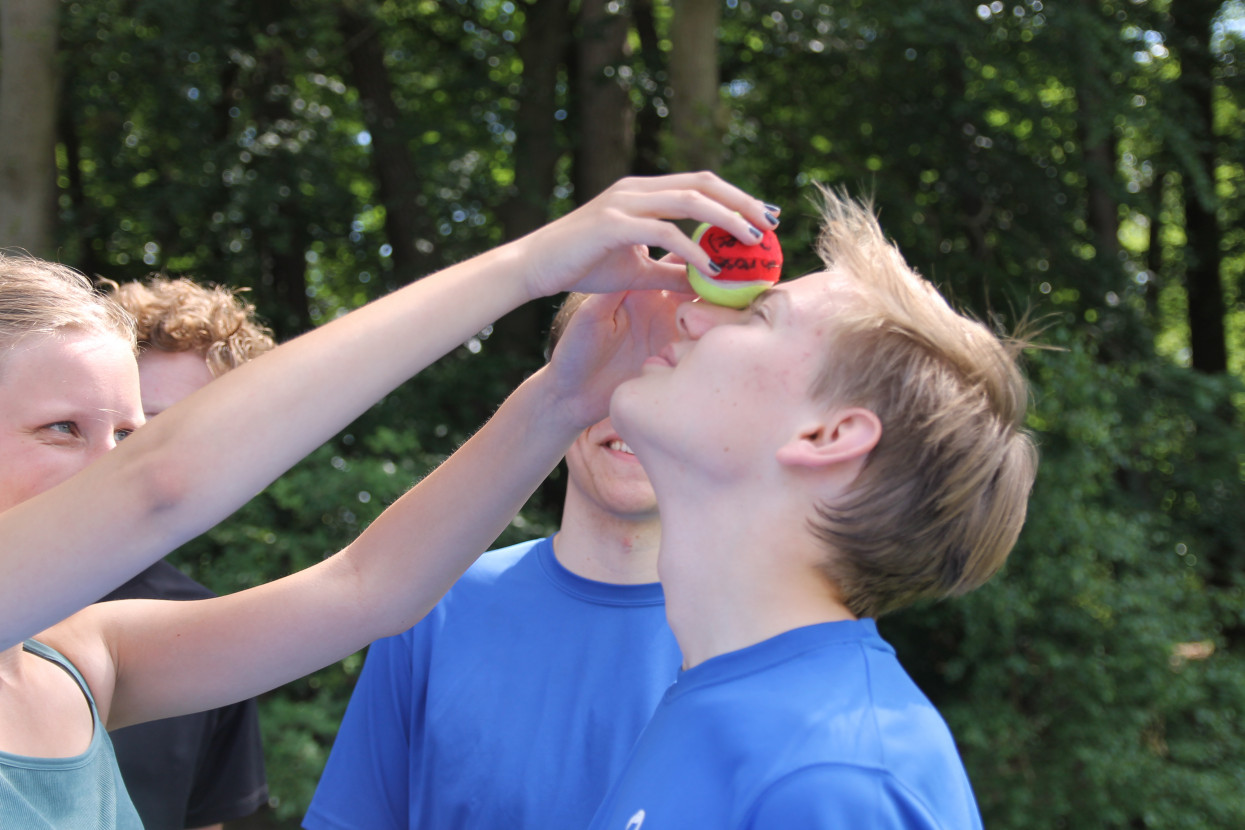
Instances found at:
x=520 y=261
x=559 y=408
x=502 y=277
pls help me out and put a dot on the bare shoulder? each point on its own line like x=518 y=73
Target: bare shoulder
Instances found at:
x=83 y=640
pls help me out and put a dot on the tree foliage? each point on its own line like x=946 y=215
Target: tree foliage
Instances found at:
x=1079 y=161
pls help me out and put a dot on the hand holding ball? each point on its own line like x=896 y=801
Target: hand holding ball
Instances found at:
x=747 y=270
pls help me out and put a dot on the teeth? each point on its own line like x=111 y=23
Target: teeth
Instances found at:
x=620 y=446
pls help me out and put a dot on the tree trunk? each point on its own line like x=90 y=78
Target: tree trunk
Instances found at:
x=1156 y=261
x=1191 y=31
x=542 y=50
x=283 y=279
x=647 y=160
x=396 y=176
x=606 y=140
x=28 y=91
x=1098 y=151
x=1094 y=121
x=694 y=105
x=82 y=215
x=281 y=290
x=1095 y=114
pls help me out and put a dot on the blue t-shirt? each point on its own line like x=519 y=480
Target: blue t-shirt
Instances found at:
x=81 y=792
x=817 y=728
x=513 y=704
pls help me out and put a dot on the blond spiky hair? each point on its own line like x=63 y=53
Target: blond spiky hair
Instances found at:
x=942 y=497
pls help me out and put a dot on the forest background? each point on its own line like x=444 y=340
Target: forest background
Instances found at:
x=1079 y=160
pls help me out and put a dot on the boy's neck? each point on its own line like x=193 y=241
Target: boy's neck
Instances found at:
x=608 y=548
x=728 y=587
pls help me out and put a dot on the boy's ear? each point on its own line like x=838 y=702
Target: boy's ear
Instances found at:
x=842 y=435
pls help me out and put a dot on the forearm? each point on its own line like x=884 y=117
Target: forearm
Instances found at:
x=285 y=404
x=434 y=532
x=184 y=657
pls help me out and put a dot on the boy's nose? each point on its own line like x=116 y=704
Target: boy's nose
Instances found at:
x=697 y=317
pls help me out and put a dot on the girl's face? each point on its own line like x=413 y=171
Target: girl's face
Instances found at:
x=65 y=398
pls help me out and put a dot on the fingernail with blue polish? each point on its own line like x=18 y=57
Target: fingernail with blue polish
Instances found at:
x=714 y=267
x=771 y=218
x=755 y=232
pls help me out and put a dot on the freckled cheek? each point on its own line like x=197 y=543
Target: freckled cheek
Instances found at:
x=742 y=389
x=772 y=382
x=46 y=473
x=30 y=482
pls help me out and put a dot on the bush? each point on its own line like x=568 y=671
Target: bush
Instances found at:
x=1100 y=674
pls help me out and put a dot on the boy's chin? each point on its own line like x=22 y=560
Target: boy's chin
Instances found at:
x=627 y=409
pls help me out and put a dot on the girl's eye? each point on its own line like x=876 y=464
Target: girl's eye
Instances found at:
x=63 y=428
x=122 y=434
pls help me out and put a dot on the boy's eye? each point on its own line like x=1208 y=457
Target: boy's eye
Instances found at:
x=122 y=434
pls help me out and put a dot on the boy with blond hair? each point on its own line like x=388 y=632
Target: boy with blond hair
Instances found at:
x=846 y=445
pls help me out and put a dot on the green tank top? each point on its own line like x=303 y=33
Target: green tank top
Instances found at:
x=84 y=792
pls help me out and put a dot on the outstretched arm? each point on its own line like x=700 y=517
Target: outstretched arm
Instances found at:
x=154 y=659
x=187 y=470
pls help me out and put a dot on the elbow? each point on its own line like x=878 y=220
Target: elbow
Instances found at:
x=384 y=603
x=157 y=486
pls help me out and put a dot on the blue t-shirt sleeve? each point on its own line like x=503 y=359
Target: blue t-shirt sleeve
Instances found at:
x=365 y=785
x=840 y=797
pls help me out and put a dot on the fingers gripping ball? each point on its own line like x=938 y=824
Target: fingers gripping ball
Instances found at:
x=747 y=270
